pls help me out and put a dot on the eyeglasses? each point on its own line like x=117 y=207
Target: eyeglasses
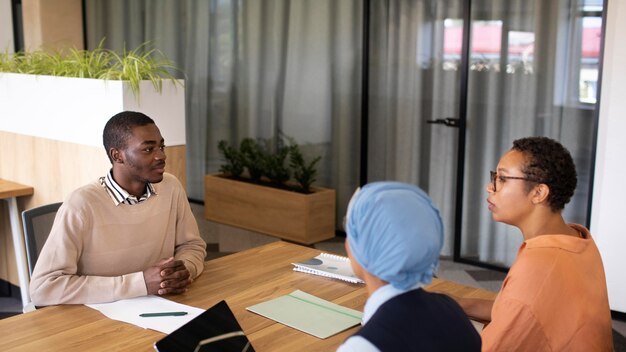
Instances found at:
x=494 y=177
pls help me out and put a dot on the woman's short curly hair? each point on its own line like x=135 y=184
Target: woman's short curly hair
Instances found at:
x=551 y=164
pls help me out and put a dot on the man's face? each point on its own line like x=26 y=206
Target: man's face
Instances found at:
x=144 y=159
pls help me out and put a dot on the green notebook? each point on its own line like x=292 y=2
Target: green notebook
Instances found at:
x=309 y=314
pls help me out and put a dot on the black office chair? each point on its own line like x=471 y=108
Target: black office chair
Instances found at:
x=37 y=225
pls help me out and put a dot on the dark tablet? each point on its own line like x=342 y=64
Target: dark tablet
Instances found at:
x=216 y=329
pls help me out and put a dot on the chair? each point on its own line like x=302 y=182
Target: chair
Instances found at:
x=37 y=225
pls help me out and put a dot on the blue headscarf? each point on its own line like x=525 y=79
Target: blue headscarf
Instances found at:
x=395 y=233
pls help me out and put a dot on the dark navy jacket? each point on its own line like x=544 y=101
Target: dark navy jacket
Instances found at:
x=421 y=321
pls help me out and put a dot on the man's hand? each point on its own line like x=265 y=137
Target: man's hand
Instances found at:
x=167 y=276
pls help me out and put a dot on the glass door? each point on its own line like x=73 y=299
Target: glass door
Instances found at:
x=414 y=93
x=454 y=82
x=533 y=68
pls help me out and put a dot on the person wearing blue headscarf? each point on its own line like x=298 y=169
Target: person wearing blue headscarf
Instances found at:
x=394 y=234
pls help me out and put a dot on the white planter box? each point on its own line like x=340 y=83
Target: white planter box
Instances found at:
x=75 y=110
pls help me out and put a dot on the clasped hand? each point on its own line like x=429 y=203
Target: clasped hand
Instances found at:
x=167 y=276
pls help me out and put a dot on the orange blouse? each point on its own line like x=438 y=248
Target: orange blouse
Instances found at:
x=554 y=298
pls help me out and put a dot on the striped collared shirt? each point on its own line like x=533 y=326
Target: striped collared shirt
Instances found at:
x=119 y=195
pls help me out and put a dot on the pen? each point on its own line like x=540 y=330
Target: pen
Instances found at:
x=162 y=314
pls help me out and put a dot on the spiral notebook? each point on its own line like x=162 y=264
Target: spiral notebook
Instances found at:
x=328 y=265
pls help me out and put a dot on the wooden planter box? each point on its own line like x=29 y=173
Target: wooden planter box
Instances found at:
x=297 y=217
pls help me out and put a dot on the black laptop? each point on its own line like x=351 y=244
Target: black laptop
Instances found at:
x=214 y=330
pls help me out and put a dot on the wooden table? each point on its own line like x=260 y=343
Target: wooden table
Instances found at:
x=9 y=191
x=242 y=279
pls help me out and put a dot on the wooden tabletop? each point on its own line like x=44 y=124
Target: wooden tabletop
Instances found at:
x=10 y=189
x=242 y=279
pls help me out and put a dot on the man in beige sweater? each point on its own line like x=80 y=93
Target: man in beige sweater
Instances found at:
x=131 y=233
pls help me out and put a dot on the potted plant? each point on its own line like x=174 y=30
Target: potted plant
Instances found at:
x=268 y=189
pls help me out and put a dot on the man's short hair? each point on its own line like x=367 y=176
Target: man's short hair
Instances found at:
x=120 y=127
x=551 y=164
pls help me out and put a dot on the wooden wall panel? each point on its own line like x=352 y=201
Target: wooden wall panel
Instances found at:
x=52 y=25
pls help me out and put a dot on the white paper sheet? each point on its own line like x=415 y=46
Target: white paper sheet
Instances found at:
x=128 y=310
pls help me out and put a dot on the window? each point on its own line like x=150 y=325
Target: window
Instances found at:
x=589 y=53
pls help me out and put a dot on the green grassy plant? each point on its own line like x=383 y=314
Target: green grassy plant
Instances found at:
x=134 y=66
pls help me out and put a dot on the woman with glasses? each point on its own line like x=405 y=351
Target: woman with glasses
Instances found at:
x=554 y=297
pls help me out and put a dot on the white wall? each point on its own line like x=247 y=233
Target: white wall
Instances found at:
x=609 y=192
x=6 y=27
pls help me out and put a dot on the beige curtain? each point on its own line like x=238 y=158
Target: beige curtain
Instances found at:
x=255 y=69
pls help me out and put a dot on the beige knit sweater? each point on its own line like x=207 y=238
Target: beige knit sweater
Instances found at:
x=97 y=251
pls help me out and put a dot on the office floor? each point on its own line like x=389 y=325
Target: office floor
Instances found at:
x=223 y=240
